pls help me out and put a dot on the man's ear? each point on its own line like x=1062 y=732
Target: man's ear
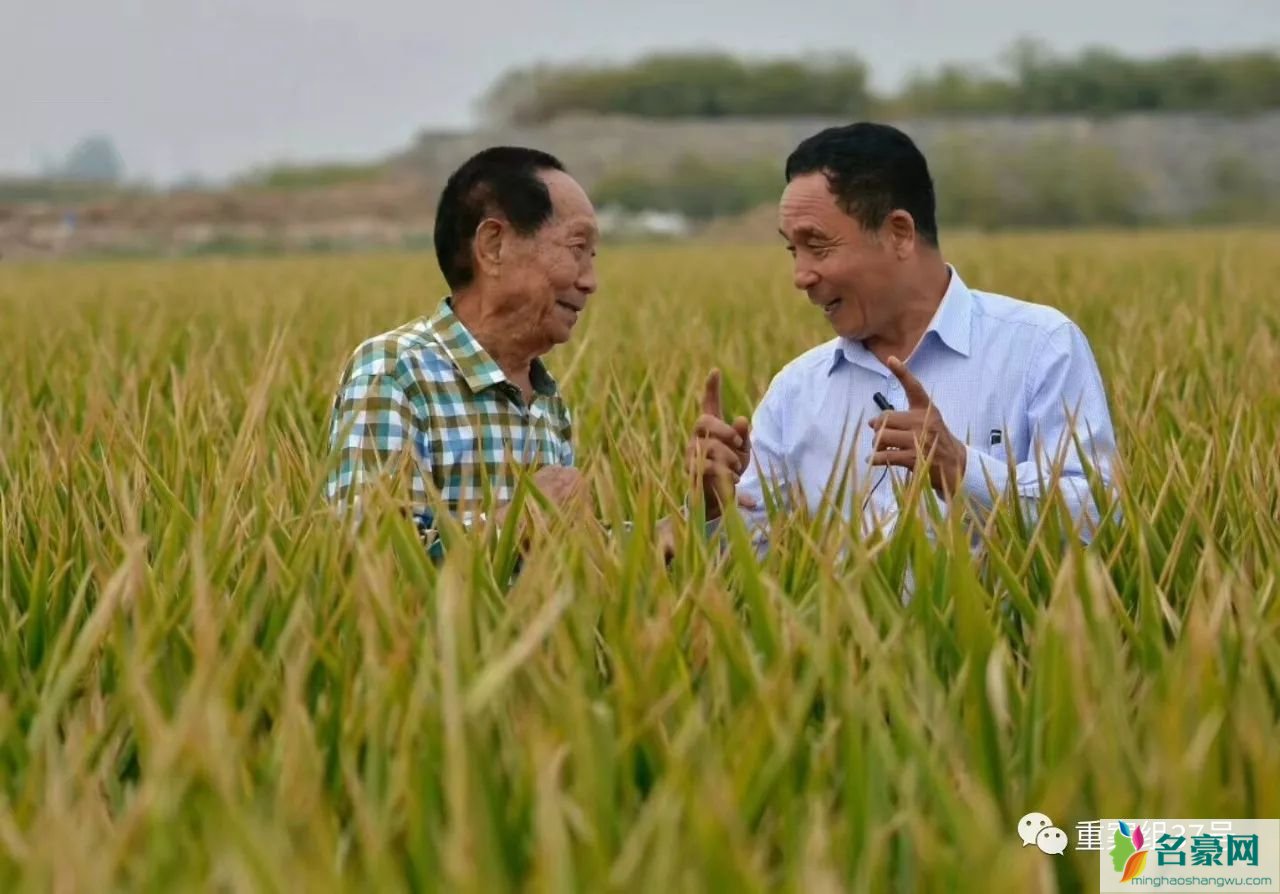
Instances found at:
x=900 y=228
x=489 y=242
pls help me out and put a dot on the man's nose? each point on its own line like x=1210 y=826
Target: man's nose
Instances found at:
x=587 y=280
x=804 y=278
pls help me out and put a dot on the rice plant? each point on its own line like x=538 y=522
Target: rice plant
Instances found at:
x=208 y=682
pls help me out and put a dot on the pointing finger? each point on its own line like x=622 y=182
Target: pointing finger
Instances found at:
x=917 y=397
x=711 y=395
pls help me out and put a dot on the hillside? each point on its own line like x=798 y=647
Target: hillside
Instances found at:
x=1172 y=153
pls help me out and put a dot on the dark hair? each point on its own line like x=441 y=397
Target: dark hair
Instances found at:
x=873 y=170
x=500 y=181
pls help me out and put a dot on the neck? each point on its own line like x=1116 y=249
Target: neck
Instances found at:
x=502 y=341
x=917 y=305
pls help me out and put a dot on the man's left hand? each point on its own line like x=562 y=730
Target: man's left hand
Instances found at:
x=908 y=437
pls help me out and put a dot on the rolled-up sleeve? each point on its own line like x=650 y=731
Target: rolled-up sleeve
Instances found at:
x=371 y=429
x=373 y=432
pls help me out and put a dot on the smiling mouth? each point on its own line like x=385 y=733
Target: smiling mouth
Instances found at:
x=567 y=306
x=830 y=307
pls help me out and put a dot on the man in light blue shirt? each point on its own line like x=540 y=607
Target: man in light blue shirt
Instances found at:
x=1003 y=397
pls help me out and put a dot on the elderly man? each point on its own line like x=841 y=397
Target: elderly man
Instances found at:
x=995 y=393
x=461 y=397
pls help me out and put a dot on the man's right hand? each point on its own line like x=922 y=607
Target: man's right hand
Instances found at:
x=564 y=486
x=719 y=452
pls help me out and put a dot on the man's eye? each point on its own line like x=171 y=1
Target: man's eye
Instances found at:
x=791 y=250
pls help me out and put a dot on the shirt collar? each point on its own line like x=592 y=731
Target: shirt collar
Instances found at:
x=477 y=368
x=952 y=322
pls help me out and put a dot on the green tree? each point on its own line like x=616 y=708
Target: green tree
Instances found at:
x=94 y=159
x=683 y=85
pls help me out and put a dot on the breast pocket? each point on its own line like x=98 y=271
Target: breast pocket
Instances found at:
x=1003 y=440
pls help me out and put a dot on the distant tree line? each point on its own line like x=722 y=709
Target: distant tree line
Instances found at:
x=1033 y=80
x=1098 y=82
x=682 y=85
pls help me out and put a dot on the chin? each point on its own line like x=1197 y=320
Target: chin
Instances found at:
x=854 y=330
x=555 y=331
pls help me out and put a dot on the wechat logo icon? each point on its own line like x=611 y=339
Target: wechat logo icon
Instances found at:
x=1038 y=829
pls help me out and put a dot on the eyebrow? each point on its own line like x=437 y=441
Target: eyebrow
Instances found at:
x=802 y=233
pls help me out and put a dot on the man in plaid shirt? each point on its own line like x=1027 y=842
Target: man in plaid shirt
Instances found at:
x=459 y=400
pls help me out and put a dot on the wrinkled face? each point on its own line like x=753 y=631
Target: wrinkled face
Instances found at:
x=548 y=275
x=849 y=273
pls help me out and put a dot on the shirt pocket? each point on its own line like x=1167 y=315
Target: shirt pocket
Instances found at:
x=995 y=442
x=986 y=434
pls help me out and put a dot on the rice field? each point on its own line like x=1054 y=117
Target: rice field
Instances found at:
x=208 y=683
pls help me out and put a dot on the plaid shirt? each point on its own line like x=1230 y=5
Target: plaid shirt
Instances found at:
x=428 y=390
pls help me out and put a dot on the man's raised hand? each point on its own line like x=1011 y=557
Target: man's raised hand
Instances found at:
x=719 y=451
x=908 y=437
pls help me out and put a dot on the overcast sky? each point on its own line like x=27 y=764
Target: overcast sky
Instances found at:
x=212 y=87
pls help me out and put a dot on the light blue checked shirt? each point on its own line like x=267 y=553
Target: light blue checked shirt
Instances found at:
x=1013 y=380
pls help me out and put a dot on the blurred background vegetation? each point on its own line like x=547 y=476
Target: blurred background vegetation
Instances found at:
x=683 y=142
